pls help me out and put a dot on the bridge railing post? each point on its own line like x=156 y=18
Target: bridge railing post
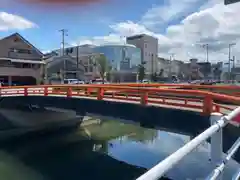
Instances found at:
x=217 y=108
x=45 y=91
x=88 y=91
x=25 y=91
x=216 y=146
x=100 y=94
x=144 y=98
x=207 y=105
x=69 y=92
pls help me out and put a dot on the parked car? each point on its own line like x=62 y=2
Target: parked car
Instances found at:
x=73 y=81
x=145 y=81
x=80 y=82
x=99 y=81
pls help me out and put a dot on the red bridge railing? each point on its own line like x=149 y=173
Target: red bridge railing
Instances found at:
x=149 y=94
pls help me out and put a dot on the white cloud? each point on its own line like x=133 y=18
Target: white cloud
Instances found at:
x=11 y=21
x=211 y=23
x=172 y=9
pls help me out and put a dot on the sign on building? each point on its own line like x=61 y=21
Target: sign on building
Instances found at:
x=226 y=2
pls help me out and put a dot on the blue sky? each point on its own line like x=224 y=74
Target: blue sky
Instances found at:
x=180 y=26
x=92 y=20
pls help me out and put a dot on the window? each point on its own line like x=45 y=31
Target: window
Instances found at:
x=24 y=51
x=21 y=51
x=90 y=61
x=35 y=66
x=26 y=65
x=90 y=69
x=145 y=45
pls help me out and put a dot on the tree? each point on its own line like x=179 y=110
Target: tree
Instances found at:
x=154 y=77
x=161 y=73
x=141 y=72
x=103 y=66
x=108 y=74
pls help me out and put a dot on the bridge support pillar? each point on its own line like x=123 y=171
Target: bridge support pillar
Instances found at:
x=216 y=147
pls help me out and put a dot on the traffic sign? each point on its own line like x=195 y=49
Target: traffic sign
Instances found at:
x=226 y=2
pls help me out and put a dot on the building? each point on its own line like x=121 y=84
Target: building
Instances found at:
x=169 y=68
x=123 y=59
x=164 y=67
x=76 y=50
x=85 y=57
x=217 y=70
x=89 y=62
x=236 y=74
x=20 y=62
x=197 y=70
x=64 y=67
x=149 y=50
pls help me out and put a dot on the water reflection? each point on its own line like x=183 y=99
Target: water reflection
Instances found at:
x=99 y=149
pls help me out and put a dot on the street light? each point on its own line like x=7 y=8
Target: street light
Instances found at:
x=229 y=58
x=206 y=46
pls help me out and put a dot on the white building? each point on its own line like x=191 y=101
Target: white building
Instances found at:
x=169 y=67
x=149 y=48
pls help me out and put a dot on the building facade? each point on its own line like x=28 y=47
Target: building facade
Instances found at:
x=149 y=51
x=20 y=62
x=84 y=56
x=169 y=68
x=123 y=59
x=76 y=50
x=64 y=67
x=89 y=62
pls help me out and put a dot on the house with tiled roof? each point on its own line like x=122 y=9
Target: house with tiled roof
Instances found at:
x=20 y=62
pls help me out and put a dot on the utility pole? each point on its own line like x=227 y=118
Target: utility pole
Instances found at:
x=152 y=66
x=229 y=59
x=170 y=67
x=77 y=56
x=233 y=68
x=206 y=46
x=64 y=33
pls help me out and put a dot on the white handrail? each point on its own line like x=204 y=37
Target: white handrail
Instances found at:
x=160 y=169
x=219 y=169
x=236 y=175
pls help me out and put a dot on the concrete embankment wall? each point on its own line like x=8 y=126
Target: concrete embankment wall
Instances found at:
x=17 y=119
x=182 y=121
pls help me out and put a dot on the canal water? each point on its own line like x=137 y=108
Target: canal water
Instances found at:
x=103 y=149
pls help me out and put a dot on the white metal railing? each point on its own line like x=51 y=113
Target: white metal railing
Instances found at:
x=237 y=175
x=215 y=132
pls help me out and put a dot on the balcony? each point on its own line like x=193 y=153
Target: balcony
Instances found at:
x=13 y=71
